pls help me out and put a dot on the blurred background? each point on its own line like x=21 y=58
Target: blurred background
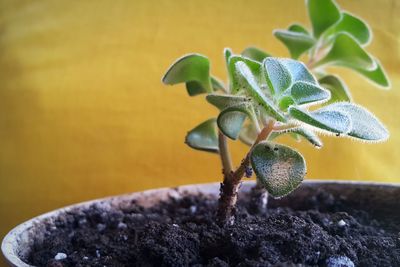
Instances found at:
x=83 y=113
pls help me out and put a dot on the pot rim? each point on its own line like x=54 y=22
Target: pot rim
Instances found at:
x=10 y=243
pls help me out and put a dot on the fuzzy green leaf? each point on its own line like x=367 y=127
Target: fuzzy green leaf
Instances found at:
x=348 y=53
x=280 y=169
x=329 y=120
x=352 y=25
x=254 y=68
x=364 y=125
x=339 y=91
x=310 y=136
x=304 y=93
x=256 y=93
x=296 y=42
x=323 y=14
x=192 y=69
x=204 y=137
x=277 y=75
x=231 y=119
x=298 y=71
x=224 y=101
x=376 y=75
x=255 y=54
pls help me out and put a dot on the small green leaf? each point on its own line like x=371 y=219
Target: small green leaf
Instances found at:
x=192 y=69
x=296 y=42
x=376 y=75
x=255 y=53
x=323 y=14
x=217 y=84
x=224 y=101
x=236 y=80
x=339 y=91
x=277 y=75
x=352 y=25
x=364 y=125
x=310 y=136
x=328 y=120
x=204 y=137
x=348 y=53
x=256 y=93
x=285 y=102
x=280 y=169
x=231 y=119
x=298 y=28
x=227 y=55
x=304 y=93
x=298 y=70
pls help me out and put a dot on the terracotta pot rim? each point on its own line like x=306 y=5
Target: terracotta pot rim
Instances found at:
x=10 y=243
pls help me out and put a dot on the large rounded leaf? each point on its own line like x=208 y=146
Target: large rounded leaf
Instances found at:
x=192 y=69
x=325 y=119
x=280 y=169
x=255 y=53
x=323 y=14
x=204 y=136
x=347 y=52
x=364 y=125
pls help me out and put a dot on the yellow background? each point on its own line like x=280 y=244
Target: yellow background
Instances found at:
x=83 y=113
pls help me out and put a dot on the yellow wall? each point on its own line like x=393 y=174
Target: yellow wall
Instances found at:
x=83 y=113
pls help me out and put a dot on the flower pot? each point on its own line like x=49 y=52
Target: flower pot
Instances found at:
x=381 y=200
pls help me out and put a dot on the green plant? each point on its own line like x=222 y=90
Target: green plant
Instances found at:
x=269 y=96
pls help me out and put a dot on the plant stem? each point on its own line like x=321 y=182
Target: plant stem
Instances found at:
x=230 y=186
x=224 y=154
x=318 y=53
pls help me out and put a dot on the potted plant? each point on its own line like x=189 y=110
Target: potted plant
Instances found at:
x=274 y=222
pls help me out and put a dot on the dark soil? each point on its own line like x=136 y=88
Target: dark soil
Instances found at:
x=182 y=232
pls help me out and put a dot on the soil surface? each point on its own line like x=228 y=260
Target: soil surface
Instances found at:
x=182 y=232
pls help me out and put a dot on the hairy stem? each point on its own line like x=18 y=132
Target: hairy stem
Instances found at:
x=317 y=54
x=224 y=154
x=230 y=185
